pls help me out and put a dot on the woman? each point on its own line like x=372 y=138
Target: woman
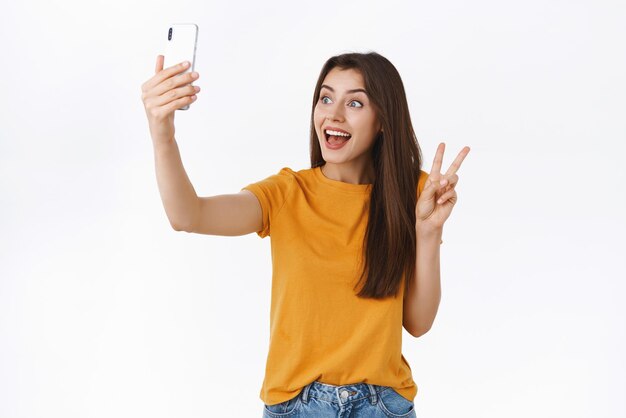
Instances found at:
x=345 y=235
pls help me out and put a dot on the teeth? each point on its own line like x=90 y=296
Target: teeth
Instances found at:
x=335 y=133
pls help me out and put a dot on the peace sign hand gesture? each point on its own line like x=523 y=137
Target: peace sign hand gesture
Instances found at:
x=435 y=203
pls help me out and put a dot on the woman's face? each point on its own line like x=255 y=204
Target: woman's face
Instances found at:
x=351 y=111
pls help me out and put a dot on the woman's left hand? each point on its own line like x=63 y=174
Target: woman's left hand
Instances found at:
x=435 y=203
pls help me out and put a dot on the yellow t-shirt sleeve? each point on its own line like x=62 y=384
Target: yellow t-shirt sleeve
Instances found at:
x=271 y=193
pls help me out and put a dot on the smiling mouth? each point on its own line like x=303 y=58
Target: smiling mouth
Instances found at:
x=337 y=138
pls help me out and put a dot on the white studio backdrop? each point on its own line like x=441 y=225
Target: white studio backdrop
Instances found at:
x=106 y=311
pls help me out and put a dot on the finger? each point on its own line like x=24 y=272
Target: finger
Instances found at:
x=162 y=75
x=177 y=104
x=159 y=64
x=446 y=196
x=181 y=81
x=173 y=94
x=447 y=181
x=432 y=186
x=451 y=180
x=436 y=168
x=456 y=164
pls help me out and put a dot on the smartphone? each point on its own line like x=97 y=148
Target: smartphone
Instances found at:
x=182 y=39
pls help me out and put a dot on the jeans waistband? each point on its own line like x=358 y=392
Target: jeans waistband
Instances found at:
x=341 y=394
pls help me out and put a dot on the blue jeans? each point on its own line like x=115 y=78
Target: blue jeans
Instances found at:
x=358 y=400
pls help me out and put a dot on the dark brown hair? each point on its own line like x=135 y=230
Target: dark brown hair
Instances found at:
x=389 y=242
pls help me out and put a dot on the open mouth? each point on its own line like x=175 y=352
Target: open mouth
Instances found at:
x=336 y=139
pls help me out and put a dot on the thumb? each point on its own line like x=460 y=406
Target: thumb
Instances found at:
x=159 y=64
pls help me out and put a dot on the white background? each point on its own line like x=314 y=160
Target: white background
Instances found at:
x=106 y=311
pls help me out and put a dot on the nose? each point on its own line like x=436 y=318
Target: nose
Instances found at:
x=334 y=112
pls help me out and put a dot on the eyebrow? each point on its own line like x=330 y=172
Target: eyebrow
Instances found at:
x=348 y=91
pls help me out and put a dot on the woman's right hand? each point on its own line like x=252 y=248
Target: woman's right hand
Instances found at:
x=163 y=94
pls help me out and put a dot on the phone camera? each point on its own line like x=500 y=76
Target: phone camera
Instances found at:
x=169 y=35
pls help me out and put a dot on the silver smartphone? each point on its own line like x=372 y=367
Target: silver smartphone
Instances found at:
x=182 y=39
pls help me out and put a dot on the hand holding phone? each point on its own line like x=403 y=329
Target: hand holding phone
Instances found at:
x=170 y=89
x=182 y=40
x=162 y=94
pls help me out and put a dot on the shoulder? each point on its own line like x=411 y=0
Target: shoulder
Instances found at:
x=283 y=177
x=294 y=178
x=275 y=187
x=276 y=183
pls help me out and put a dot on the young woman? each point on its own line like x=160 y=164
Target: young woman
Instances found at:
x=345 y=235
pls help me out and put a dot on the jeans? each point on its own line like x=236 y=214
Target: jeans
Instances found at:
x=358 y=400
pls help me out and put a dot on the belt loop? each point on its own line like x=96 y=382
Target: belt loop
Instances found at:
x=373 y=397
x=305 y=393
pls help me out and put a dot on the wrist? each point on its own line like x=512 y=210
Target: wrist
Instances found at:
x=423 y=233
x=164 y=145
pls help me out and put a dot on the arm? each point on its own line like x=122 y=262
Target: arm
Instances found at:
x=227 y=214
x=433 y=208
x=422 y=301
x=178 y=195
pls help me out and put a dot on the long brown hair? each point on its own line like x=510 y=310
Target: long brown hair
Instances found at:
x=389 y=242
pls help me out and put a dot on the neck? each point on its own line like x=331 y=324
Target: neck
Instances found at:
x=353 y=174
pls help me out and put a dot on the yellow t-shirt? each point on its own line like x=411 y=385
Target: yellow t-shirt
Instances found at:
x=319 y=329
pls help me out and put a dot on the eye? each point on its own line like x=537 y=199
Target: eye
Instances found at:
x=326 y=97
